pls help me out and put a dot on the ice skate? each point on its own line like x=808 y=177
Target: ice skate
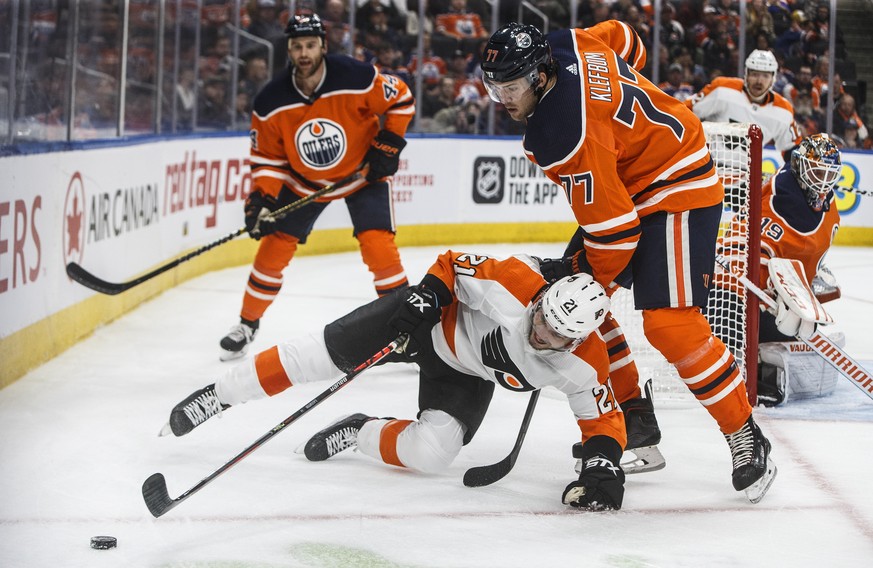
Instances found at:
x=199 y=407
x=643 y=435
x=235 y=344
x=339 y=436
x=754 y=471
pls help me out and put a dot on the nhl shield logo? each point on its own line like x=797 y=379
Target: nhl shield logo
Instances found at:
x=488 y=179
x=321 y=143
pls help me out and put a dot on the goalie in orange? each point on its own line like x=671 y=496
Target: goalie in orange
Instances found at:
x=315 y=124
x=639 y=178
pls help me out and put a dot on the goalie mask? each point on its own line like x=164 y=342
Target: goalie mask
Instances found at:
x=512 y=61
x=816 y=166
x=572 y=308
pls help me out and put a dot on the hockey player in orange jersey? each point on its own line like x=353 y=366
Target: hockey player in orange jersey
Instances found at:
x=798 y=221
x=473 y=322
x=313 y=125
x=640 y=181
x=751 y=100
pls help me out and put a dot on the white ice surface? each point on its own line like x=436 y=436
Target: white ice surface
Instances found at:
x=78 y=436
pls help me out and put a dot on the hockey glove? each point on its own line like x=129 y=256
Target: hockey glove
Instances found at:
x=418 y=313
x=789 y=323
x=553 y=269
x=600 y=486
x=384 y=155
x=257 y=209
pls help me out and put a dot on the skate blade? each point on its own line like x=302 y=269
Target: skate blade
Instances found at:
x=165 y=430
x=756 y=491
x=643 y=460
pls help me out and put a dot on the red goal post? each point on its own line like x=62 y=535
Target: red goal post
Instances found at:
x=732 y=311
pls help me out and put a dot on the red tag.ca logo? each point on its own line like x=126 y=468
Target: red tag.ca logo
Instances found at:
x=74 y=221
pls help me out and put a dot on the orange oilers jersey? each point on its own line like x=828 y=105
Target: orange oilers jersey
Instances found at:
x=485 y=328
x=790 y=229
x=460 y=25
x=725 y=100
x=306 y=143
x=619 y=146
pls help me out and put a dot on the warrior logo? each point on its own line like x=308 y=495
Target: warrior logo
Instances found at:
x=74 y=221
x=495 y=355
x=488 y=180
x=321 y=143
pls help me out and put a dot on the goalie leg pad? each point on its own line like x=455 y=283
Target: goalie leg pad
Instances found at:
x=797 y=371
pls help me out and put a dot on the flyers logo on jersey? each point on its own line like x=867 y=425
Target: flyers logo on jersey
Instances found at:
x=321 y=143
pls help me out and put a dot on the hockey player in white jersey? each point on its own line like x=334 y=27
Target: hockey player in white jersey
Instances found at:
x=473 y=322
x=751 y=100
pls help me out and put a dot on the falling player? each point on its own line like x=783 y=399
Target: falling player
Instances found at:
x=313 y=125
x=472 y=322
x=639 y=178
x=751 y=100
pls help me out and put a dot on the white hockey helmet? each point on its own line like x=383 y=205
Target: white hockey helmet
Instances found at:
x=762 y=60
x=574 y=306
x=817 y=167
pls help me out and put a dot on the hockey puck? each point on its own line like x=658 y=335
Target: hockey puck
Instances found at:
x=103 y=542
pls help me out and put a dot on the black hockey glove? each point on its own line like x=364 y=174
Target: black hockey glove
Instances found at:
x=601 y=483
x=384 y=155
x=257 y=207
x=418 y=313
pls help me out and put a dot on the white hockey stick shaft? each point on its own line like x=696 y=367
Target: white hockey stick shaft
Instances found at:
x=819 y=342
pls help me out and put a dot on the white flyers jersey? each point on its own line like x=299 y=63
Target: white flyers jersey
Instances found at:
x=725 y=100
x=484 y=332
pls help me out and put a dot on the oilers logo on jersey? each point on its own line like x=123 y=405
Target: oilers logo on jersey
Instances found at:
x=321 y=143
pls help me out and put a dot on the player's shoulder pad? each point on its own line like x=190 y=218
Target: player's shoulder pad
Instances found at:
x=781 y=102
x=347 y=73
x=276 y=94
x=734 y=83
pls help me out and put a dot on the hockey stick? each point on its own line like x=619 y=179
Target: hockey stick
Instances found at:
x=85 y=278
x=488 y=474
x=819 y=342
x=154 y=489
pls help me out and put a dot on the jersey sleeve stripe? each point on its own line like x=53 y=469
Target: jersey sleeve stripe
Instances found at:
x=257 y=161
x=630 y=217
x=701 y=154
x=612 y=237
x=665 y=193
x=613 y=246
x=706 y=168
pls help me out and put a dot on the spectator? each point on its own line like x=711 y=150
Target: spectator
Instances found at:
x=432 y=68
x=255 y=75
x=790 y=42
x=675 y=85
x=672 y=32
x=388 y=62
x=802 y=84
x=717 y=51
x=457 y=66
x=703 y=28
x=759 y=23
x=213 y=110
x=819 y=38
x=186 y=96
x=379 y=29
x=442 y=96
x=808 y=119
x=391 y=17
x=820 y=80
x=463 y=117
x=460 y=23
x=845 y=115
x=265 y=20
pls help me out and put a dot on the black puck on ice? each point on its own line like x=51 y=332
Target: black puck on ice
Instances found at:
x=103 y=542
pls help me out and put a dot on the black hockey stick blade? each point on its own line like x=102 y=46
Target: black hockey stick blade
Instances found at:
x=487 y=474
x=157 y=498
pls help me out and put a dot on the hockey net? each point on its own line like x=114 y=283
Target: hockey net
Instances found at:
x=732 y=312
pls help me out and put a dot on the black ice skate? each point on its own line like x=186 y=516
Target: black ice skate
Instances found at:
x=754 y=471
x=339 y=436
x=194 y=411
x=235 y=344
x=643 y=434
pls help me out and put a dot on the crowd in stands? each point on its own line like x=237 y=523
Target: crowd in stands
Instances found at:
x=699 y=41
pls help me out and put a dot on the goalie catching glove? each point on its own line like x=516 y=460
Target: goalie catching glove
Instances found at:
x=258 y=208
x=601 y=484
x=383 y=156
x=798 y=310
x=418 y=313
